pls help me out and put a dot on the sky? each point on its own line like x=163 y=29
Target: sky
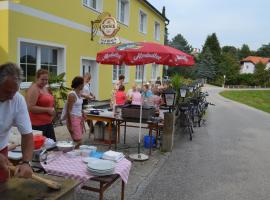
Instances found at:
x=235 y=22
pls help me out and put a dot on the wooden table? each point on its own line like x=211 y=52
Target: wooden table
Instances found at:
x=104 y=183
x=75 y=168
x=28 y=189
x=105 y=118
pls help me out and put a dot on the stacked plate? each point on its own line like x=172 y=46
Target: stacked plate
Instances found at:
x=101 y=167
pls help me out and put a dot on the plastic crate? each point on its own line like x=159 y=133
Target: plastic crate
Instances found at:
x=147 y=142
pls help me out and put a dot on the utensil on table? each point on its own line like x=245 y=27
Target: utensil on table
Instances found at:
x=50 y=183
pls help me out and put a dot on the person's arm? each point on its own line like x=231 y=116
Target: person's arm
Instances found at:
x=24 y=169
x=70 y=101
x=32 y=97
x=23 y=123
x=4 y=163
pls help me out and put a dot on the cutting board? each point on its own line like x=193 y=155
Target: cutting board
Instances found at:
x=28 y=189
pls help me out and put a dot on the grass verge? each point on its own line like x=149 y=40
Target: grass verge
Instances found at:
x=259 y=99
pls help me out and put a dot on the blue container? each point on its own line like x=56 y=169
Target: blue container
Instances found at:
x=147 y=141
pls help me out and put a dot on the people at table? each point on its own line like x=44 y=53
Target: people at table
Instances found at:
x=156 y=99
x=158 y=81
x=119 y=82
x=75 y=117
x=136 y=97
x=13 y=112
x=40 y=103
x=88 y=96
x=120 y=96
x=146 y=91
x=131 y=90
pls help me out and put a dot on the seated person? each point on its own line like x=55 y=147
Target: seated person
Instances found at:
x=146 y=91
x=136 y=97
x=131 y=90
x=157 y=100
x=120 y=96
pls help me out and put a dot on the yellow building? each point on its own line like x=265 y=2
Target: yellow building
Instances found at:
x=55 y=35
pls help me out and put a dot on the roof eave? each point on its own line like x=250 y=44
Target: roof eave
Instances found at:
x=156 y=10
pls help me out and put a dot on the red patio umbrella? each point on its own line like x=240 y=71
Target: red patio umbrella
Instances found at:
x=141 y=53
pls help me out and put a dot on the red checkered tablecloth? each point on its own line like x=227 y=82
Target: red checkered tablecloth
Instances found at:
x=61 y=165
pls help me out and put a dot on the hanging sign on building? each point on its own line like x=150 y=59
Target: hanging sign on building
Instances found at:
x=108 y=27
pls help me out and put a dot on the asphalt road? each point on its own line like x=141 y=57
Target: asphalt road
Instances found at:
x=229 y=157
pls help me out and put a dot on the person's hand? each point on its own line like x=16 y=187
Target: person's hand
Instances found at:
x=51 y=111
x=4 y=163
x=23 y=171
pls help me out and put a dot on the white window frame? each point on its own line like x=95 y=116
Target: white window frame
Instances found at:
x=144 y=73
x=155 y=72
x=117 y=73
x=99 y=5
x=157 y=32
x=61 y=55
x=144 y=23
x=126 y=10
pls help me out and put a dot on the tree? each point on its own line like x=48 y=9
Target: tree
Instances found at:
x=260 y=74
x=244 y=52
x=180 y=43
x=166 y=34
x=229 y=49
x=264 y=51
x=212 y=44
x=229 y=65
x=206 y=68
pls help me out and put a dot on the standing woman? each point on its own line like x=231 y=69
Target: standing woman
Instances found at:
x=40 y=103
x=88 y=96
x=120 y=81
x=75 y=118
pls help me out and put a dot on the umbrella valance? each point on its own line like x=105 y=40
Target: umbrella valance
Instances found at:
x=141 y=53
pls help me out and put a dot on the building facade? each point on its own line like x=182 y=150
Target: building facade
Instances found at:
x=248 y=64
x=55 y=35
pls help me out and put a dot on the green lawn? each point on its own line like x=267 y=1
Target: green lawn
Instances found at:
x=259 y=99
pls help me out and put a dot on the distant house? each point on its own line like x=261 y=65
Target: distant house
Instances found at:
x=248 y=64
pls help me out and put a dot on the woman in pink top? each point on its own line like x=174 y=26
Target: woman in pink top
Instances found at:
x=136 y=97
x=120 y=96
x=40 y=103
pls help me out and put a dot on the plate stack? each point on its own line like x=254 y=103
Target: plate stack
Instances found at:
x=101 y=167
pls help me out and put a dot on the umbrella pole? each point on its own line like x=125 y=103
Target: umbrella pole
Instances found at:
x=140 y=156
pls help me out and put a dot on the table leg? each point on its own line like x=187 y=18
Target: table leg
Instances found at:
x=125 y=131
x=123 y=190
x=118 y=131
x=150 y=135
x=110 y=135
x=101 y=191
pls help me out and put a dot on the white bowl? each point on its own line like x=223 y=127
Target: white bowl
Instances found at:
x=65 y=146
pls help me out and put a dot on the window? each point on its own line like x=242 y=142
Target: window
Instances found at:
x=143 y=22
x=28 y=62
x=49 y=59
x=118 y=70
x=93 y=4
x=157 y=31
x=34 y=57
x=155 y=72
x=140 y=71
x=123 y=11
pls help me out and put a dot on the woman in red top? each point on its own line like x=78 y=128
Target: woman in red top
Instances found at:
x=120 y=96
x=40 y=103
